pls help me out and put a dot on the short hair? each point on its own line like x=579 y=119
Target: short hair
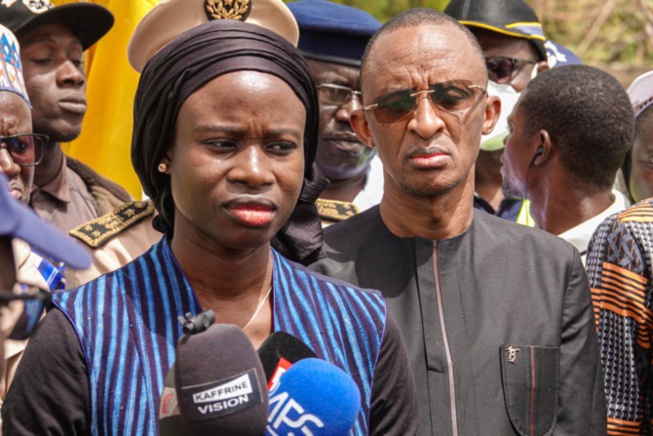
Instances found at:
x=588 y=116
x=416 y=17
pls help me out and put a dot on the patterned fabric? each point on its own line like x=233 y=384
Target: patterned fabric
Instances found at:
x=619 y=268
x=127 y=325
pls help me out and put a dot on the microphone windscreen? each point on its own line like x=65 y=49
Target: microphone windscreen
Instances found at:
x=220 y=383
x=278 y=352
x=313 y=397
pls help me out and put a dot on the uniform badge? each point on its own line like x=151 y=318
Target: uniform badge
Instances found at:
x=227 y=9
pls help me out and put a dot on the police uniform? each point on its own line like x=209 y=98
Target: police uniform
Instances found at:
x=115 y=239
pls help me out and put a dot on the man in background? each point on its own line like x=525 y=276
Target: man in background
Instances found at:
x=515 y=50
x=332 y=38
x=53 y=39
x=569 y=134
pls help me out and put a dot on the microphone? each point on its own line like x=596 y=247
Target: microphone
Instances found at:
x=216 y=386
x=313 y=397
x=278 y=352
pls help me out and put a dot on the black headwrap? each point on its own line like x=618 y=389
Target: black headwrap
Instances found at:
x=183 y=66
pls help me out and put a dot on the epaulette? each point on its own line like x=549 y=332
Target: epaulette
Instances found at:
x=97 y=232
x=334 y=210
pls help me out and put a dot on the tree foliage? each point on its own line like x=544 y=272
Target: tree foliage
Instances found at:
x=612 y=34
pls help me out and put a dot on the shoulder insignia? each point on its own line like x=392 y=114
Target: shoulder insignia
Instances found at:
x=334 y=210
x=97 y=232
x=227 y=9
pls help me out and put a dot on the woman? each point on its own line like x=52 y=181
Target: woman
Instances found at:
x=225 y=131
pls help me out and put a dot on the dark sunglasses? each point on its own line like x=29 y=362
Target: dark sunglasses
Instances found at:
x=34 y=301
x=502 y=70
x=25 y=149
x=454 y=97
x=331 y=93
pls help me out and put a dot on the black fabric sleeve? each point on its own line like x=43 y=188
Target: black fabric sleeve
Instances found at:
x=394 y=401
x=50 y=392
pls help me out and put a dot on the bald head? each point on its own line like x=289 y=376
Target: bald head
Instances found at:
x=420 y=17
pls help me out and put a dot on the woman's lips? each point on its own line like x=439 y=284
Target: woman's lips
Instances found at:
x=252 y=215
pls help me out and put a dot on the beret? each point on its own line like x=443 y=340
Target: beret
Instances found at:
x=332 y=32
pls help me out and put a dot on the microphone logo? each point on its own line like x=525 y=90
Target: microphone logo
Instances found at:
x=287 y=414
x=223 y=397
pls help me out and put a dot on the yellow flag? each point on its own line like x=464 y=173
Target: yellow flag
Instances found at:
x=105 y=141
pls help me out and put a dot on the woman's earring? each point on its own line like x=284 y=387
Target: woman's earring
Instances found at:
x=162 y=167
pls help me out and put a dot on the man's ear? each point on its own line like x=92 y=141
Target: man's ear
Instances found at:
x=359 y=123
x=492 y=112
x=546 y=145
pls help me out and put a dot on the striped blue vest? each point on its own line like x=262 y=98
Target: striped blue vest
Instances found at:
x=127 y=325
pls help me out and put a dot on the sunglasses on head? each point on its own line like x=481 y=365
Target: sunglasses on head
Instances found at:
x=454 y=97
x=331 y=93
x=34 y=300
x=502 y=70
x=25 y=149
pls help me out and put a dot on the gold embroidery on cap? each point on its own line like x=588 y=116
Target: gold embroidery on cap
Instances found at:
x=227 y=9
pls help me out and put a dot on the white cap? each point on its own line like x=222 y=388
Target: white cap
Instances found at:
x=171 y=18
x=641 y=92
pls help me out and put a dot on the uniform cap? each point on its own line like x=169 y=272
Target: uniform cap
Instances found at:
x=332 y=32
x=87 y=21
x=509 y=17
x=171 y=18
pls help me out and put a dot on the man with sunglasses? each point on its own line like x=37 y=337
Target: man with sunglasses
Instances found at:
x=53 y=39
x=496 y=316
x=513 y=45
x=332 y=38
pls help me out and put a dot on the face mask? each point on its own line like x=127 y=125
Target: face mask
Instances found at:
x=494 y=141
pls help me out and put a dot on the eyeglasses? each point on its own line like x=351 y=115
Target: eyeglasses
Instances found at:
x=502 y=70
x=331 y=93
x=25 y=149
x=34 y=301
x=454 y=97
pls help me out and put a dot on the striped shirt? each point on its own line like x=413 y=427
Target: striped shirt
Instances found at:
x=127 y=325
x=619 y=265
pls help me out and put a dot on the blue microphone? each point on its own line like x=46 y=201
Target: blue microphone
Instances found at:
x=313 y=397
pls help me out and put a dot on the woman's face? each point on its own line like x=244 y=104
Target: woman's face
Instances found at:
x=237 y=161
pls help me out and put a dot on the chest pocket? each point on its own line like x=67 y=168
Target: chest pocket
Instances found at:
x=530 y=386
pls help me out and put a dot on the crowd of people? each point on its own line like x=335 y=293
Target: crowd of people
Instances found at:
x=449 y=207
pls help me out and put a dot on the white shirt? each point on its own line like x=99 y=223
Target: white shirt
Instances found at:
x=580 y=235
x=372 y=192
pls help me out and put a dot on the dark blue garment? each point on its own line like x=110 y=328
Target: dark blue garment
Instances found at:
x=127 y=325
x=508 y=209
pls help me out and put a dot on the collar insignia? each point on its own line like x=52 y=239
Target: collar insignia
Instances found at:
x=227 y=9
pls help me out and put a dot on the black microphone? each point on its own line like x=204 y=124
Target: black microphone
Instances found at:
x=216 y=386
x=278 y=352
